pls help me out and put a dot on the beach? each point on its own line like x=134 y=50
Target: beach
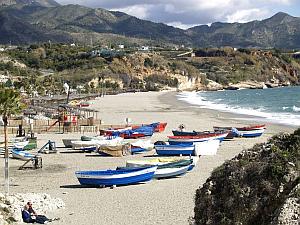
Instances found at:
x=165 y=202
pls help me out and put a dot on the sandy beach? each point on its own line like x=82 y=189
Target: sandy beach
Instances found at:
x=156 y=202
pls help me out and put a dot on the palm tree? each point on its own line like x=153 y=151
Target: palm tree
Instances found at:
x=10 y=104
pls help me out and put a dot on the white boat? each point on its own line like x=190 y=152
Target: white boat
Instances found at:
x=21 y=144
x=170 y=172
x=97 y=143
x=23 y=155
x=68 y=142
x=178 y=149
x=207 y=147
x=143 y=144
x=251 y=133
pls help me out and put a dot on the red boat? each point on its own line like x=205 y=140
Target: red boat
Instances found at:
x=132 y=135
x=160 y=127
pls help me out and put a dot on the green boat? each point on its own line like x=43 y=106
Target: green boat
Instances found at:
x=32 y=144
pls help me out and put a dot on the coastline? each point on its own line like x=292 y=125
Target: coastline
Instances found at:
x=164 y=202
x=223 y=118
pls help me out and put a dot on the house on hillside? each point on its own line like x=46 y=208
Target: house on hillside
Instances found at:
x=296 y=55
x=144 y=48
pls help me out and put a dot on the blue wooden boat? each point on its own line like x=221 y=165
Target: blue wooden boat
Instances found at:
x=135 y=150
x=178 y=149
x=115 y=177
x=251 y=133
x=22 y=155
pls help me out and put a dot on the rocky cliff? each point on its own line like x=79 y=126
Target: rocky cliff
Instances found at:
x=259 y=186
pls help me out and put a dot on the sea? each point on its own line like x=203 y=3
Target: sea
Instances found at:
x=274 y=105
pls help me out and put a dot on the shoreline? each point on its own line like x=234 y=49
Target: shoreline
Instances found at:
x=229 y=118
x=165 y=202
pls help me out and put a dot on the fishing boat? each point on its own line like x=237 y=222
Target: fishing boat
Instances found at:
x=21 y=144
x=116 y=177
x=178 y=149
x=94 y=142
x=141 y=146
x=100 y=138
x=194 y=133
x=170 y=172
x=81 y=144
x=159 y=127
x=89 y=149
x=22 y=155
x=189 y=140
x=115 y=151
x=68 y=142
x=209 y=147
x=152 y=161
x=251 y=133
x=248 y=131
x=115 y=131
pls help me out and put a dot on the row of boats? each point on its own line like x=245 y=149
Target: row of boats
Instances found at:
x=182 y=143
x=185 y=147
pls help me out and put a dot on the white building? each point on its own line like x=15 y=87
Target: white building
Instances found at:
x=144 y=48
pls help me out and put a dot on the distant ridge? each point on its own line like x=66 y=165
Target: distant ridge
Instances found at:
x=45 y=3
x=75 y=22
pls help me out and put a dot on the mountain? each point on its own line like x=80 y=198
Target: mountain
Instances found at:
x=45 y=3
x=75 y=22
x=280 y=31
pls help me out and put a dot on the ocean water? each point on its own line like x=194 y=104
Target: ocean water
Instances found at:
x=276 y=105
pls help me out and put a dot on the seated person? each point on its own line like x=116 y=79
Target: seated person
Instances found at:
x=30 y=216
x=26 y=216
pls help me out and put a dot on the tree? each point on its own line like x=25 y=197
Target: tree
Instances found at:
x=10 y=104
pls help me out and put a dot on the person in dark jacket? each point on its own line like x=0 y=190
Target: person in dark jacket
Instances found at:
x=30 y=216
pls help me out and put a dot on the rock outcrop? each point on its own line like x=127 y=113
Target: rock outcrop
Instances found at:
x=11 y=206
x=259 y=186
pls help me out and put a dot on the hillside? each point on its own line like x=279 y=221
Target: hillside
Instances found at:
x=279 y=31
x=123 y=70
x=259 y=186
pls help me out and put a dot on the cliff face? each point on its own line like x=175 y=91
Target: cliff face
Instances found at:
x=259 y=186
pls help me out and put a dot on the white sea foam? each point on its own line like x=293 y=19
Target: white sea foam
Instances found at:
x=296 y=109
x=283 y=118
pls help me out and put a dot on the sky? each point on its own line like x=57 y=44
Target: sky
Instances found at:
x=188 y=13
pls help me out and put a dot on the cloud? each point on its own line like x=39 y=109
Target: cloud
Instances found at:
x=140 y=11
x=187 y=13
x=246 y=15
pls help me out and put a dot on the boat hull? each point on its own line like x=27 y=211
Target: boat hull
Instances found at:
x=177 y=149
x=252 y=133
x=170 y=172
x=121 y=177
x=115 y=151
x=190 y=140
x=22 y=155
x=68 y=142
